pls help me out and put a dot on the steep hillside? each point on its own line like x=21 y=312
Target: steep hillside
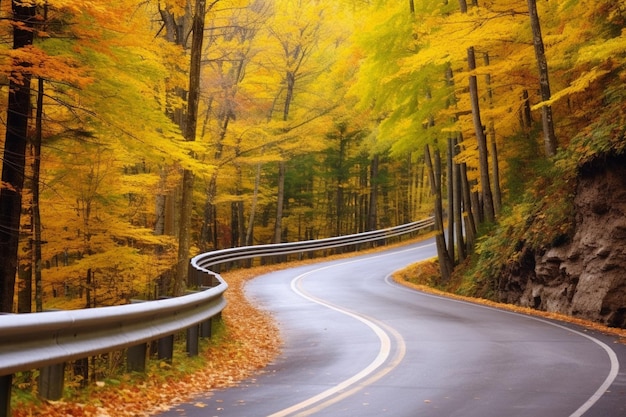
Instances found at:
x=586 y=275
x=560 y=244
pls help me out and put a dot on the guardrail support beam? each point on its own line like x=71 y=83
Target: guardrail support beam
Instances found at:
x=206 y=328
x=136 y=358
x=5 y=395
x=165 y=348
x=192 y=340
x=51 y=380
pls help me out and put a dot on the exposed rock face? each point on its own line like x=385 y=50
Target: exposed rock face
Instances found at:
x=587 y=276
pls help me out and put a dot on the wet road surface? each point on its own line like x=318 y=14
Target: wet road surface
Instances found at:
x=358 y=345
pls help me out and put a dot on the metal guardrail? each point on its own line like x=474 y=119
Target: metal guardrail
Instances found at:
x=30 y=341
x=205 y=260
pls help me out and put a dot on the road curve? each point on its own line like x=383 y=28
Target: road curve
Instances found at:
x=358 y=345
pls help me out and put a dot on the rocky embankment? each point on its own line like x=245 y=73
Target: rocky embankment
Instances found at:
x=586 y=276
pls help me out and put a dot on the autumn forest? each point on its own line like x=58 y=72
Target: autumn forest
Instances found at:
x=140 y=133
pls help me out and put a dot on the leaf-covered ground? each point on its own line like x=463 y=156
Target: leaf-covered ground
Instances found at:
x=250 y=340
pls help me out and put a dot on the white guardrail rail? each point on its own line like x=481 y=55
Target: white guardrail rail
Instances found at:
x=48 y=340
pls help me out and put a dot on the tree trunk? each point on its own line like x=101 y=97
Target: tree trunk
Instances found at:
x=468 y=215
x=193 y=97
x=457 y=205
x=255 y=197
x=485 y=182
x=18 y=112
x=36 y=212
x=463 y=6
x=434 y=173
x=451 y=214
x=549 y=137
x=208 y=233
x=184 y=237
x=372 y=212
x=526 y=118
x=495 y=166
x=278 y=224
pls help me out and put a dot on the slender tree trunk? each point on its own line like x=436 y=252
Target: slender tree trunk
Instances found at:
x=457 y=205
x=497 y=191
x=468 y=215
x=463 y=6
x=526 y=118
x=184 y=236
x=434 y=173
x=239 y=211
x=278 y=228
x=372 y=212
x=209 y=233
x=495 y=166
x=255 y=197
x=37 y=242
x=193 y=98
x=14 y=158
x=549 y=137
x=176 y=33
x=485 y=183
x=451 y=216
x=282 y=169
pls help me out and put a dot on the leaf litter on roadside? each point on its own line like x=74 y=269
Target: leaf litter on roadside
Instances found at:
x=243 y=349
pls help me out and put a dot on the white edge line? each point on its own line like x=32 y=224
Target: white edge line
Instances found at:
x=595 y=397
x=383 y=354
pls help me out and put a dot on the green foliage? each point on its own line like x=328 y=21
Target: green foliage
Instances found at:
x=539 y=217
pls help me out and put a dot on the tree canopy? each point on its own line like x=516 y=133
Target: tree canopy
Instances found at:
x=312 y=119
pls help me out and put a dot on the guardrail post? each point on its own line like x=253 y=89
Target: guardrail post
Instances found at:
x=51 y=380
x=5 y=395
x=136 y=358
x=165 y=348
x=206 y=328
x=192 y=340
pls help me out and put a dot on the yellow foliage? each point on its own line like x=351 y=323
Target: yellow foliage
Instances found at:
x=582 y=83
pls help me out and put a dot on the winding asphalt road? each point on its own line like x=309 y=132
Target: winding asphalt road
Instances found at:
x=358 y=345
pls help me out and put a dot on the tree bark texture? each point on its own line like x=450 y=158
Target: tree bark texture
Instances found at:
x=36 y=214
x=549 y=137
x=495 y=166
x=468 y=212
x=278 y=224
x=485 y=182
x=193 y=97
x=372 y=212
x=434 y=174
x=14 y=156
x=184 y=237
x=451 y=187
x=457 y=205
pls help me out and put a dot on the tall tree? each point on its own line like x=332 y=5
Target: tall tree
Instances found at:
x=434 y=173
x=549 y=137
x=18 y=113
x=485 y=182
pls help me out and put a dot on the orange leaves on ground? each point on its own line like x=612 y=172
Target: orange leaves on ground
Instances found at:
x=250 y=342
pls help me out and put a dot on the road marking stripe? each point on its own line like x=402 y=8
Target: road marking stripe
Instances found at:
x=614 y=361
x=383 y=354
